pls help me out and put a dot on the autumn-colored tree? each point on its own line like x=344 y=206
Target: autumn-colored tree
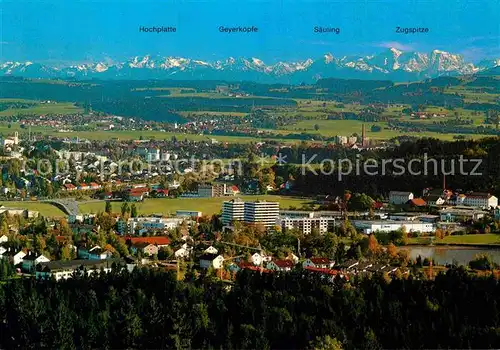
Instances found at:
x=439 y=233
x=392 y=251
x=373 y=246
x=64 y=228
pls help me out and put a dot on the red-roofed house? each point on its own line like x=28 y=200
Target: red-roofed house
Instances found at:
x=417 y=202
x=280 y=265
x=83 y=187
x=318 y=262
x=70 y=187
x=161 y=193
x=159 y=241
x=232 y=190
x=94 y=186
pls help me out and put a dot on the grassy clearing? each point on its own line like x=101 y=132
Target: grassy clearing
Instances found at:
x=45 y=209
x=49 y=108
x=212 y=113
x=208 y=206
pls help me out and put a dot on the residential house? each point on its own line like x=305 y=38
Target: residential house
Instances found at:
x=280 y=265
x=31 y=260
x=4 y=238
x=144 y=248
x=400 y=197
x=94 y=253
x=325 y=273
x=135 y=196
x=160 y=193
x=65 y=269
x=257 y=259
x=94 y=186
x=159 y=241
x=183 y=252
x=435 y=199
x=211 y=250
x=84 y=187
x=70 y=187
x=232 y=190
x=14 y=256
x=323 y=263
x=211 y=260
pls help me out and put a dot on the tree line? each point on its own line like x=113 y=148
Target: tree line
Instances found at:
x=150 y=309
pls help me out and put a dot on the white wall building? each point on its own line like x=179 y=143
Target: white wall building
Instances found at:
x=307 y=225
x=482 y=200
x=65 y=269
x=30 y=261
x=262 y=212
x=258 y=212
x=211 y=260
x=153 y=224
x=368 y=226
x=233 y=210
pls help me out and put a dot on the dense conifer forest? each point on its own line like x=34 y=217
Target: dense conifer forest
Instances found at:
x=151 y=309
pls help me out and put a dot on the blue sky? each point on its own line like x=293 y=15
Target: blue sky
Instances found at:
x=81 y=31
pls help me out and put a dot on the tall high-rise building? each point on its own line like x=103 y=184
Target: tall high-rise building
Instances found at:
x=233 y=210
x=262 y=212
x=259 y=212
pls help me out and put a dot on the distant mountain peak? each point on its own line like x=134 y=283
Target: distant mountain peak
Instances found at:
x=390 y=64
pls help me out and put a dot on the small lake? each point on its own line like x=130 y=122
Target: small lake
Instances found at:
x=443 y=255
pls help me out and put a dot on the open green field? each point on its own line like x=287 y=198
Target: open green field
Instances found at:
x=47 y=108
x=482 y=95
x=486 y=239
x=45 y=209
x=208 y=206
x=332 y=128
x=212 y=113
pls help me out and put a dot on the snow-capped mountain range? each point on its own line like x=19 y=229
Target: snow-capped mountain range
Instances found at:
x=391 y=64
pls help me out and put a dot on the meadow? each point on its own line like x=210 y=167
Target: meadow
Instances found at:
x=40 y=108
x=45 y=209
x=208 y=206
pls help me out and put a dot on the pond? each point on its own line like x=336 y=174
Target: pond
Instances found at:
x=443 y=255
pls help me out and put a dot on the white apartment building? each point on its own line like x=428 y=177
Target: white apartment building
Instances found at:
x=153 y=224
x=368 y=226
x=483 y=200
x=262 y=212
x=233 y=210
x=307 y=225
x=399 y=197
x=259 y=212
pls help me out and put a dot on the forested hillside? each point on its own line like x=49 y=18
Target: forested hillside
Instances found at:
x=150 y=309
